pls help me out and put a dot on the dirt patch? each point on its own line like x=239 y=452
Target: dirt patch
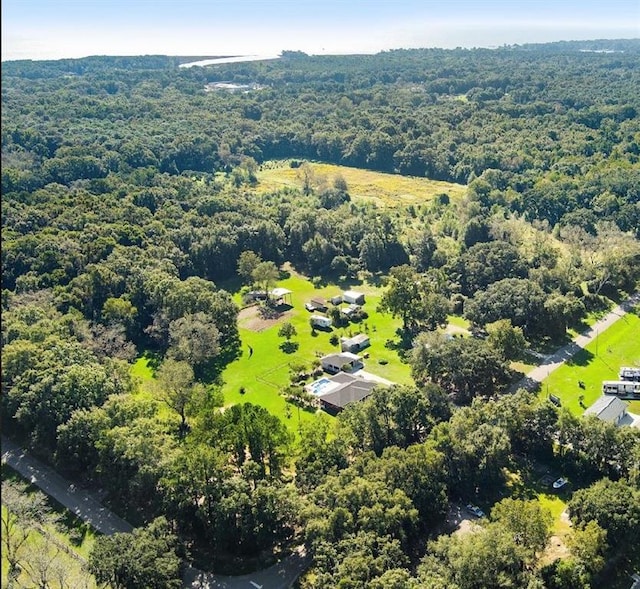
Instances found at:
x=456 y=329
x=458 y=521
x=556 y=548
x=251 y=318
x=466 y=526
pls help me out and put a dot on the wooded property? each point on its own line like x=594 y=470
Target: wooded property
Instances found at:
x=180 y=263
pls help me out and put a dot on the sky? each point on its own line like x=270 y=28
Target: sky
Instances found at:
x=55 y=29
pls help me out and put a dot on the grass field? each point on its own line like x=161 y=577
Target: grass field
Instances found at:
x=377 y=187
x=260 y=376
x=55 y=542
x=600 y=360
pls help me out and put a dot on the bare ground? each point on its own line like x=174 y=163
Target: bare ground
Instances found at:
x=556 y=547
x=250 y=318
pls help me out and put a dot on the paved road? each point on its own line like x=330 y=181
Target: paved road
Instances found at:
x=283 y=574
x=81 y=502
x=533 y=379
x=279 y=576
x=86 y=506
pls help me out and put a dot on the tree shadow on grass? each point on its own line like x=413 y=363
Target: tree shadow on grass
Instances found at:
x=582 y=358
x=210 y=372
x=154 y=359
x=289 y=347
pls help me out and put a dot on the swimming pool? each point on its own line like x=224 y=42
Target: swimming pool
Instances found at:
x=321 y=386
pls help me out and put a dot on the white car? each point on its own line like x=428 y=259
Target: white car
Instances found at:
x=475 y=510
x=561 y=482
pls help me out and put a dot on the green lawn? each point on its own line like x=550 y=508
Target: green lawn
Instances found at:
x=617 y=346
x=141 y=370
x=556 y=505
x=260 y=377
x=264 y=373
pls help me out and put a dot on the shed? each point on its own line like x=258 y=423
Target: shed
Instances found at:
x=349 y=311
x=355 y=344
x=353 y=296
x=316 y=305
x=281 y=295
x=608 y=408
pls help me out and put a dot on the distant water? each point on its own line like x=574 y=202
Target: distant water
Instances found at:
x=236 y=59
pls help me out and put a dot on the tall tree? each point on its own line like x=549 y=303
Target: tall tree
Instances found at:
x=145 y=558
x=464 y=367
x=178 y=388
x=266 y=274
x=529 y=523
x=247 y=263
x=195 y=339
x=25 y=512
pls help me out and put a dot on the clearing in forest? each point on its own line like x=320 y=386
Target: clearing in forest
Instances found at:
x=389 y=190
x=600 y=360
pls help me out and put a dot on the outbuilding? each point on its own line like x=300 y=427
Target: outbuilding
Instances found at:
x=355 y=344
x=321 y=321
x=353 y=297
x=342 y=362
x=281 y=296
x=316 y=305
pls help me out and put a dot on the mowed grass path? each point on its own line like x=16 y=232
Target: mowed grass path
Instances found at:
x=377 y=187
x=264 y=373
x=618 y=346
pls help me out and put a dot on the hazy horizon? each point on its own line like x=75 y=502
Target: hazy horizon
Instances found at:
x=40 y=29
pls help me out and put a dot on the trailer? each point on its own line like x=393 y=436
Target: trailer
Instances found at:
x=629 y=373
x=624 y=389
x=321 y=321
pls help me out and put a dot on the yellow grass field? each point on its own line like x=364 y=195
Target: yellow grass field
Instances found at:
x=385 y=190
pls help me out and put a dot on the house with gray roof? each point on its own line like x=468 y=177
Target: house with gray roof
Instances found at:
x=349 y=388
x=341 y=362
x=609 y=409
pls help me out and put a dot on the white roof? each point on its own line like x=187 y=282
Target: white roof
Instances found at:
x=280 y=292
x=356 y=339
x=353 y=293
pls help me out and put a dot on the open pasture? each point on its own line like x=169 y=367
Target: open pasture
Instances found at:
x=388 y=190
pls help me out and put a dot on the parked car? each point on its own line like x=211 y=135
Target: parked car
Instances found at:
x=560 y=483
x=475 y=510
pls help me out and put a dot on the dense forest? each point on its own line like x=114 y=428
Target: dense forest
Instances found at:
x=130 y=201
